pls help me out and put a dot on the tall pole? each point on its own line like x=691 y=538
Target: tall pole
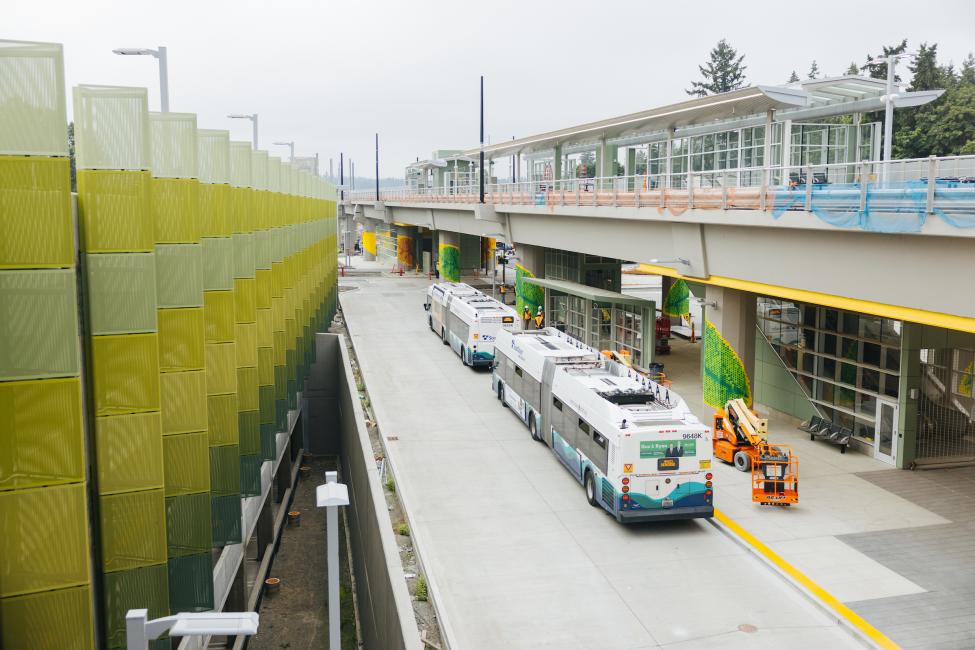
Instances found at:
x=888 y=115
x=332 y=548
x=352 y=173
x=481 y=165
x=163 y=79
x=342 y=176
x=255 y=134
x=377 y=166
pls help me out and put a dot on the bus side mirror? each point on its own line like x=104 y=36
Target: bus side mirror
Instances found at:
x=426 y=306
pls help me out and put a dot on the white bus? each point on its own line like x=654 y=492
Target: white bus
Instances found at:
x=468 y=320
x=635 y=446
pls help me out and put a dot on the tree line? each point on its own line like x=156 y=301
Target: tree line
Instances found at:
x=944 y=127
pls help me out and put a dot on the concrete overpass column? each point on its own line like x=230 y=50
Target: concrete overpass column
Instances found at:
x=531 y=264
x=448 y=255
x=728 y=357
x=369 y=240
x=406 y=247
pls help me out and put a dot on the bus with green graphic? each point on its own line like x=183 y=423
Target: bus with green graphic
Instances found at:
x=633 y=444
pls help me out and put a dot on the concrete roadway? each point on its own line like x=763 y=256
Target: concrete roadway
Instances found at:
x=515 y=557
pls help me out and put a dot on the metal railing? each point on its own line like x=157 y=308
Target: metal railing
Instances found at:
x=748 y=188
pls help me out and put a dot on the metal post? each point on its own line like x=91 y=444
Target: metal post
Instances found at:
x=809 y=187
x=888 y=115
x=342 y=176
x=932 y=181
x=481 y=168
x=377 y=166
x=332 y=549
x=863 y=188
x=135 y=629
x=163 y=79
x=255 y=132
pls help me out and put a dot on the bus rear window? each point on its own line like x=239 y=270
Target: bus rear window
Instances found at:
x=518 y=371
x=583 y=426
x=600 y=439
x=556 y=403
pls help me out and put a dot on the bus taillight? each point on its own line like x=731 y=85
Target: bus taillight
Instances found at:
x=708 y=484
x=626 y=497
x=626 y=480
x=626 y=488
x=708 y=476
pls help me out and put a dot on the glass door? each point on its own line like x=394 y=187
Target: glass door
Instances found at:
x=885 y=441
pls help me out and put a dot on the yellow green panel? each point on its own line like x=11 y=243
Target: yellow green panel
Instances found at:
x=44 y=544
x=249 y=425
x=114 y=211
x=277 y=279
x=38 y=324
x=41 y=437
x=133 y=529
x=130 y=452
x=126 y=373
x=184 y=401
x=280 y=348
x=246 y=339
x=179 y=275
x=265 y=366
x=247 y=389
x=218 y=263
x=36 y=228
x=122 y=292
x=221 y=372
x=176 y=210
x=278 y=309
x=188 y=524
x=262 y=250
x=187 y=464
x=263 y=296
x=265 y=328
x=245 y=261
x=245 y=300
x=222 y=419
x=219 y=308
x=181 y=339
x=215 y=210
x=29 y=621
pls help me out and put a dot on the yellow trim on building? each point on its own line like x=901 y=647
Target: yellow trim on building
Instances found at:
x=896 y=312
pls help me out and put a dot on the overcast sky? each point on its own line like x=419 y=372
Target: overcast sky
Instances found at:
x=330 y=74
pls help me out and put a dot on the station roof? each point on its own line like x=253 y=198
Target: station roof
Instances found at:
x=590 y=293
x=812 y=99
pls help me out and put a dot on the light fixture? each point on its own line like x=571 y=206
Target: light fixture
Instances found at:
x=139 y=630
x=676 y=260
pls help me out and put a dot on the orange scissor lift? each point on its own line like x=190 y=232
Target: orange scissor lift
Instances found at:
x=741 y=438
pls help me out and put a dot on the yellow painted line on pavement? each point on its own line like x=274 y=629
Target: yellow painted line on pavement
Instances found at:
x=827 y=598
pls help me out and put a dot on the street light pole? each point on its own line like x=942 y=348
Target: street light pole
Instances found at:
x=286 y=144
x=888 y=115
x=253 y=118
x=377 y=166
x=481 y=164
x=330 y=496
x=160 y=55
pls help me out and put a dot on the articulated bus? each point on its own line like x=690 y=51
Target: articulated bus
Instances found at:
x=468 y=320
x=633 y=444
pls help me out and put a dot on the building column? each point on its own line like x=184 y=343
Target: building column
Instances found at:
x=557 y=163
x=605 y=159
x=728 y=357
x=630 y=168
x=910 y=382
x=530 y=264
x=448 y=255
x=369 y=240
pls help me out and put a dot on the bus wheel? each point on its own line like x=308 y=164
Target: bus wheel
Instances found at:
x=501 y=393
x=591 y=490
x=430 y=323
x=743 y=461
x=443 y=335
x=463 y=355
x=533 y=427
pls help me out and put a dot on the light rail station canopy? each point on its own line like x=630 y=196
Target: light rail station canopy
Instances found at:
x=813 y=99
x=589 y=293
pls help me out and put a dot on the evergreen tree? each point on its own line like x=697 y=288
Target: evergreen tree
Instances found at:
x=723 y=72
x=926 y=75
x=793 y=77
x=879 y=70
x=814 y=70
x=853 y=69
x=967 y=74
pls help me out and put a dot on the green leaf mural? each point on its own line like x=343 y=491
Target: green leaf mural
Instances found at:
x=526 y=293
x=677 y=301
x=724 y=373
x=449 y=262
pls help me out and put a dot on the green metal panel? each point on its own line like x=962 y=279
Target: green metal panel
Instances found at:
x=222 y=421
x=186 y=463
x=179 y=275
x=188 y=525
x=145 y=587
x=38 y=324
x=191 y=583
x=250 y=475
x=130 y=452
x=225 y=470
x=249 y=426
x=269 y=443
x=225 y=517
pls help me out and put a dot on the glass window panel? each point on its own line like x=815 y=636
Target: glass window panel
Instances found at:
x=891 y=385
x=828 y=344
x=866 y=404
x=870 y=380
x=851 y=323
x=892 y=359
x=871 y=353
x=870 y=327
